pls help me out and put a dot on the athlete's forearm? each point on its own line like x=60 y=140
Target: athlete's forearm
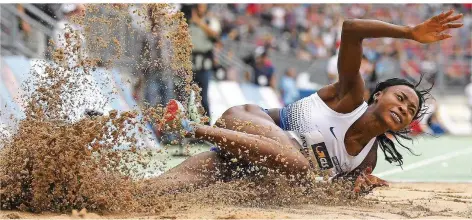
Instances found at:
x=350 y=52
x=364 y=28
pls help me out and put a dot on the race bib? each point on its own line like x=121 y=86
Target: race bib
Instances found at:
x=312 y=145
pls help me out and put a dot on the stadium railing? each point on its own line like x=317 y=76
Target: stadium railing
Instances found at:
x=11 y=37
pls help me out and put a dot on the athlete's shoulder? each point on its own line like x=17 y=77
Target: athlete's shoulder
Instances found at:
x=328 y=93
x=344 y=104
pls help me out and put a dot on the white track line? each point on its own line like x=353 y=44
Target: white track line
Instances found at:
x=425 y=162
x=429 y=181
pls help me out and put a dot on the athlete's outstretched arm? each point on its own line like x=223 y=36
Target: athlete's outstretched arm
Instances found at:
x=355 y=30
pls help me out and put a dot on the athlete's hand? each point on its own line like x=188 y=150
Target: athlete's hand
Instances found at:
x=365 y=182
x=433 y=29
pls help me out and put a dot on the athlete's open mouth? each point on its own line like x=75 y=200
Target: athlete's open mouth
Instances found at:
x=396 y=117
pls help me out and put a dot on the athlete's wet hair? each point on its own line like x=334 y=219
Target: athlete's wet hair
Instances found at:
x=385 y=143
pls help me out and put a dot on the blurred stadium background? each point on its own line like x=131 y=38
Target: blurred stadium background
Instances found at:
x=270 y=55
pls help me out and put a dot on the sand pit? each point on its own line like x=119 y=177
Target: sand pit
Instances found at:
x=400 y=200
x=93 y=175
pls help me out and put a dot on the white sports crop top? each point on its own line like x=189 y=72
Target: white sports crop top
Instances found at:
x=315 y=125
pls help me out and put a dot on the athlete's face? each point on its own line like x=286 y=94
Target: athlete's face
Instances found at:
x=396 y=106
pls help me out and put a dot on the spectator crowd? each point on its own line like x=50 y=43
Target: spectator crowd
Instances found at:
x=306 y=32
x=312 y=31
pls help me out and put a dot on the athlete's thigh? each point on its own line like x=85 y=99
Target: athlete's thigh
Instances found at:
x=252 y=119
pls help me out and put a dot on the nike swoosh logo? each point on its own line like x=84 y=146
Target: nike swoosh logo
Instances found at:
x=332 y=132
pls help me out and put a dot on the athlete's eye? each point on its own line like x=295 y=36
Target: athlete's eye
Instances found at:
x=412 y=111
x=400 y=98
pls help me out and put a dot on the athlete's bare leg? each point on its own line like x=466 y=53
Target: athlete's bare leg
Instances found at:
x=197 y=171
x=247 y=134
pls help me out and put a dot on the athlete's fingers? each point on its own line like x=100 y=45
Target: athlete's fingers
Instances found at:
x=358 y=185
x=368 y=170
x=444 y=36
x=368 y=181
x=382 y=182
x=450 y=19
x=376 y=181
x=372 y=179
x=438 y=17
x=453 y=25
x=445 y=15
x=359 y=181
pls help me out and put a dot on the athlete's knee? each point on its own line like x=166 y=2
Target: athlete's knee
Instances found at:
x=233 y=111
x=227 y=115
x=251 y=107
x=230 y=115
